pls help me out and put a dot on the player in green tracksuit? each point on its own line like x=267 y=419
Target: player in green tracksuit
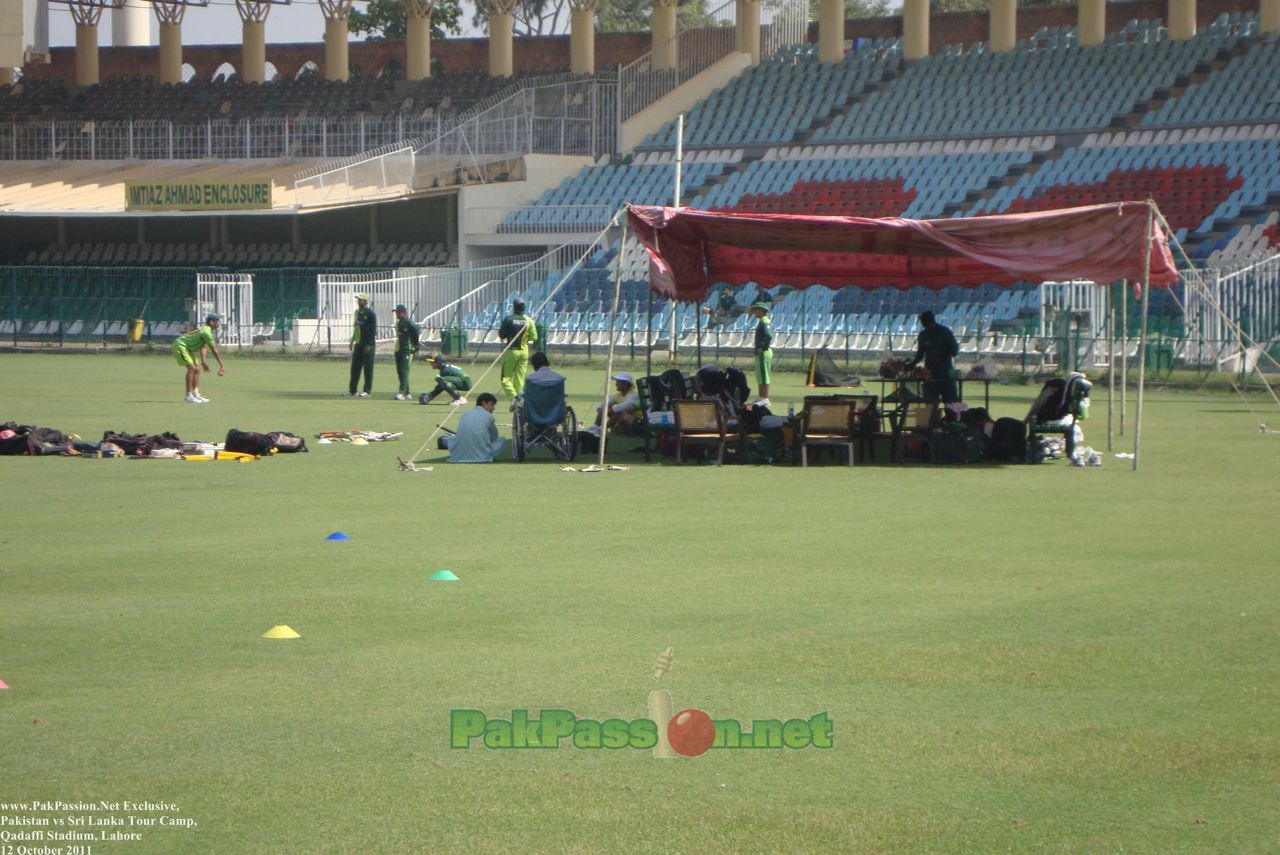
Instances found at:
x=763 y=349
x=363 y=342
x=449 y=379
x=520 y=330
x=407 y=345
x=189 y=349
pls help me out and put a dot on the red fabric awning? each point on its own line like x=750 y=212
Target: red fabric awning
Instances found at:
x=692 y=250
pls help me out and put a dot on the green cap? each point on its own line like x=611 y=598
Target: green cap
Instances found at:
x=760 y=304
x=212 y=316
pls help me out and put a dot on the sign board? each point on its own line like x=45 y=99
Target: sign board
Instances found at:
x=201 y=195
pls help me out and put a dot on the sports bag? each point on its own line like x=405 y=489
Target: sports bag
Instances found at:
x=957 y=443
x=248 y=442
x=287 y=443
x=1009 y=439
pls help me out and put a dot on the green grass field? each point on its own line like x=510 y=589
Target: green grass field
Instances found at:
x=1016 y=658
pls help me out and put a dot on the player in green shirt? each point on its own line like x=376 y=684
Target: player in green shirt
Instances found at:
x=407 y=345
x=450 y=379
x=363 y=340
x=520 y=331
x=763 y=349
x=189 y=349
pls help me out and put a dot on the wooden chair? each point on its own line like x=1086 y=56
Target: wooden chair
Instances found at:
x=865 y=417
x=826 y=423
x=702 y=423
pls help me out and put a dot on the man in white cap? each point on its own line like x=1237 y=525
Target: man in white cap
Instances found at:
x=364 y=335
x=624 y=406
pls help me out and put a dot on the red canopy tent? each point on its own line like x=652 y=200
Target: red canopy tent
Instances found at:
x=692 y=250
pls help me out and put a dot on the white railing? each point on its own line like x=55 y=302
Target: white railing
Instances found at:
x=1221 y=303
x=229 y=295
x=573 y=117
x=314 y=137
x=537 y=219
x=783 y=24
x=386 y=175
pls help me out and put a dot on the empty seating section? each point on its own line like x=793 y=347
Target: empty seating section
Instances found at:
x=587 y=200
x=241 y=256
x=1243 y=91
x=1050 y=89
x=774 y=101
x=1196 y=184
x=918 y=186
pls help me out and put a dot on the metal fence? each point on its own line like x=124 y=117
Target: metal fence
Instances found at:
x=540 y=219
x=695 y=49
x=571 y=117
x=1229 y=309
x=229 y=295
x=150 y=139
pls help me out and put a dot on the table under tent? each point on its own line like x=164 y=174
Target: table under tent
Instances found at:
x=690 y=251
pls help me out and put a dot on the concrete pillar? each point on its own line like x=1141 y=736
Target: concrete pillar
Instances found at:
x=1182 y=19
x=501 y=25
x=749 y=29
x=662 y=24
x=171 y=53
x=582 y=37
x=1091 y=22
x=6 y=76
x=253 y=61
x=417 y=45
x=831 y=31
x=336 y=64
x=1270 y=11
x=131 y=25
x=915 y=29
x=1003 y=24
x=86 y=54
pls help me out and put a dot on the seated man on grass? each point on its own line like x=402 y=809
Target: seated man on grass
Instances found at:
x=477 y=439
x=624 y=406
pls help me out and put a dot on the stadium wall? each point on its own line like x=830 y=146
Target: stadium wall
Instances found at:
x=531 y=54
x=612 y=49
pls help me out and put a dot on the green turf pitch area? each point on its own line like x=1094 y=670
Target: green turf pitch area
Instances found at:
x=1015 y=658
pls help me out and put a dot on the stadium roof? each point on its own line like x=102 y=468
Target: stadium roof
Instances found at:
x=692 y=250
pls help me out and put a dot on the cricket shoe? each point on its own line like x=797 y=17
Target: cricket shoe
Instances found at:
x=363 y=395
x=458 y=403
x=401 y=397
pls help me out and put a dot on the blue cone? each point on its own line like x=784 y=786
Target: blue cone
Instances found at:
x=337 y=535
x=444 y=576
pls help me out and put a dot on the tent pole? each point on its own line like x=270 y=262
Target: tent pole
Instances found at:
x=1124 y=350
x=697 y=320
x=1111 y=361
x=676 y=203
x=1142 y=332
x=613 y=322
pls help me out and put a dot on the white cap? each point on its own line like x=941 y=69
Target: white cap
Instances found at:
x=624 y=376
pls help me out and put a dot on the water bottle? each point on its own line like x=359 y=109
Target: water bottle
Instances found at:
x=791 y=410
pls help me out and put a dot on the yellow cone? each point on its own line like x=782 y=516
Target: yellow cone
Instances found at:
x=281 y=631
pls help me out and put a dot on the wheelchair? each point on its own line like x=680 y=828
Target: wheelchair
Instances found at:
x=544 y=420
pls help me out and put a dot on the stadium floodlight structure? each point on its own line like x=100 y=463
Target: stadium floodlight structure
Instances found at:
x=24 y=35
x=253 y=28
x=87 y=14
x=169 y=13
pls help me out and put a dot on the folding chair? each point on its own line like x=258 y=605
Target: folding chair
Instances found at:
x=702 y=423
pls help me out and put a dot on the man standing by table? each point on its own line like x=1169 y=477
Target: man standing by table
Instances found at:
x=363 y=337
x=519 y=331
x=937 y=346
x=407 y=344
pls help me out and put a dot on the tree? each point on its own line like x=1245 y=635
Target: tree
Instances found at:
x=384 y=19
x=627 y=16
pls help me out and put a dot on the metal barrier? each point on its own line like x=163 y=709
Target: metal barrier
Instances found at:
x=312 y=137
x=696 y=49
x=229 y=295
x=542 y=219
